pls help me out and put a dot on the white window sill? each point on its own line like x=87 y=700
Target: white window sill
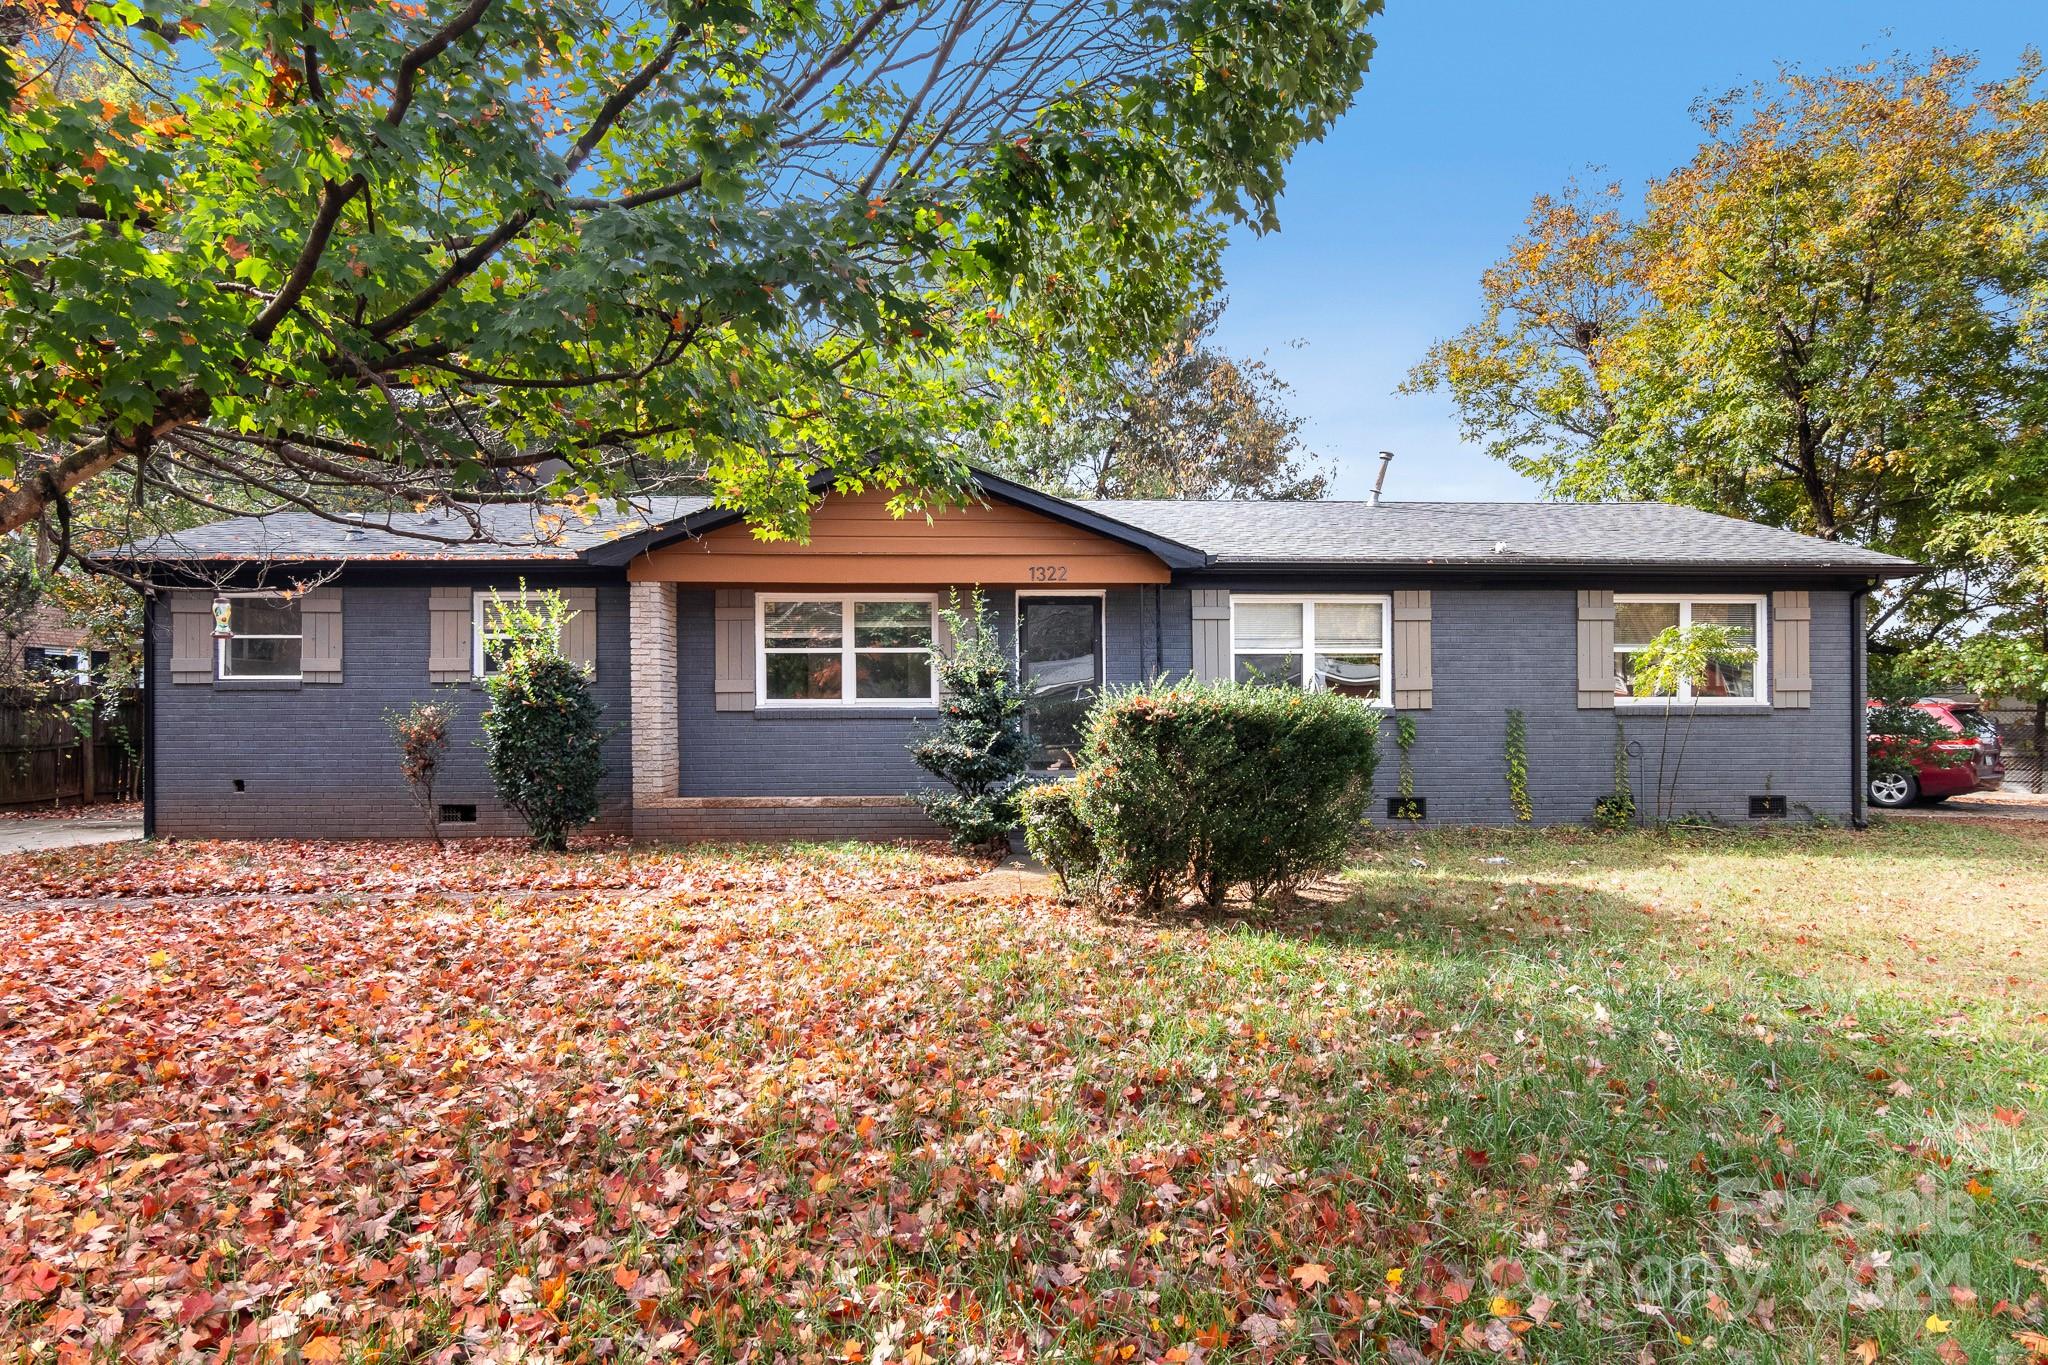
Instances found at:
x=857 y=710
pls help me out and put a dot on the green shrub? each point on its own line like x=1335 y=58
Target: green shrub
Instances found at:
x=1210 y=786
x=978 y=746
x=1057 y=837
x=1515 y=749
x=541 y=734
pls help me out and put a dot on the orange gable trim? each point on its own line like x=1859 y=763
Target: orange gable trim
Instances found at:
x=854 y=541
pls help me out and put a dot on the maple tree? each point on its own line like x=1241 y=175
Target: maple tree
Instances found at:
x=405 y=248
x=1826 y=319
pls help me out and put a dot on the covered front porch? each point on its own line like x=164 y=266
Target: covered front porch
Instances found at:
x=775 y=686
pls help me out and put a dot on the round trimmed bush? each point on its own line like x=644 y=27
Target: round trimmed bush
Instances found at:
x=1210 y=786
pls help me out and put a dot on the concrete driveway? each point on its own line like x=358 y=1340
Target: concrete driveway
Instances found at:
x=2002 y=805
x=27 y=836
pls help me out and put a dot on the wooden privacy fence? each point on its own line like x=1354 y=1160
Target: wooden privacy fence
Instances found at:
x=48 y=759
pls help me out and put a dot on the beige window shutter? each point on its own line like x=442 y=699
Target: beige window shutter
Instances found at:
x=1212 y=634
x=449 y=618
x=192 y=649
x=732 y=649
x=579 y=636
x=1414 y=685
x=1596 y=649
x=1791 y=649
x=320 y=620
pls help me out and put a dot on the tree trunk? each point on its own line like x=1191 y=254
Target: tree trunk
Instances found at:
x=1820 y=498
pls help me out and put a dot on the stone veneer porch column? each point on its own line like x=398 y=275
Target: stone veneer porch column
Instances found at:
x=657 y=774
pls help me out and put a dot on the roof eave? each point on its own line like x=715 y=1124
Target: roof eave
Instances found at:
x=1745 y=568
x=145 y=560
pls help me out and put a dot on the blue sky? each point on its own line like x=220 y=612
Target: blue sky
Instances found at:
x=1471 y=108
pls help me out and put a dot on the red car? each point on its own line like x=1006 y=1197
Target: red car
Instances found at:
x=1975 y=737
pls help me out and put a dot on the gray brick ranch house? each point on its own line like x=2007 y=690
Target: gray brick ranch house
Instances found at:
x=764 y=689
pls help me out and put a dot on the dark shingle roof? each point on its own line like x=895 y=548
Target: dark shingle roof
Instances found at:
x=1531 y=534
x=1267 y=535
x=514 y=531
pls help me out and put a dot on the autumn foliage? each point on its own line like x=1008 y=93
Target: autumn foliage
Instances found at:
x=321 y=1102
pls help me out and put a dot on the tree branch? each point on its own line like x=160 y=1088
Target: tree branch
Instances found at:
x=333 y=198
x=409 y=65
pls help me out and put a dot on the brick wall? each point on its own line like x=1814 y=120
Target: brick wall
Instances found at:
x=1496 y=648
x=653 y=652
x=316 y=761
x=852 y=752
x=688 y=820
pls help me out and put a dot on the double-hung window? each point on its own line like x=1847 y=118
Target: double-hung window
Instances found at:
x=258 y=635
x=1333 y=644
x=1639 y=619
x=871 y=649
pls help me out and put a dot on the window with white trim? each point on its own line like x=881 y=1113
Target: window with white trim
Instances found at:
x=869 y=649
x=264 y=635
x=1641 y=618
x=1324 y=643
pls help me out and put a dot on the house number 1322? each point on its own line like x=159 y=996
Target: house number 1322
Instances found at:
x=1048 y=573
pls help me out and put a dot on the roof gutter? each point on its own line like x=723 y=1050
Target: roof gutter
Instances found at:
x=1752 y=568
x=1859 y=708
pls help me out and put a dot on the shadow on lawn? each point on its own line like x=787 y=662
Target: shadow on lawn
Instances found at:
x=1718 y=1098
x=1727 y=1124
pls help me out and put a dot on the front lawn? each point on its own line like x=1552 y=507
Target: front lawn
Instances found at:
x=1718 y=1097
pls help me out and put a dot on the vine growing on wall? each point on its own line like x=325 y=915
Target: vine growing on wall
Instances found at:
x=1517 y=753
x=1617 y=809
x=1404 y=739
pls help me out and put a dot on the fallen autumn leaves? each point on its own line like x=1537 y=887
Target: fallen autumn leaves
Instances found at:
x=800 y=1106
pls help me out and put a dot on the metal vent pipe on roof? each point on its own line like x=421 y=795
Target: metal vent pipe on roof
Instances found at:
x=1386 y=458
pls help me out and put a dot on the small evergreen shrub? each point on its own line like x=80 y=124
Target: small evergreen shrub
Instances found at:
x=1203 y=787
x=1057 y=836
x=978 y=747
x=541 y=735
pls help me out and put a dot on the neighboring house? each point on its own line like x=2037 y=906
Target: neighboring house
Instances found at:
x=49 y=648
x=768 y=689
